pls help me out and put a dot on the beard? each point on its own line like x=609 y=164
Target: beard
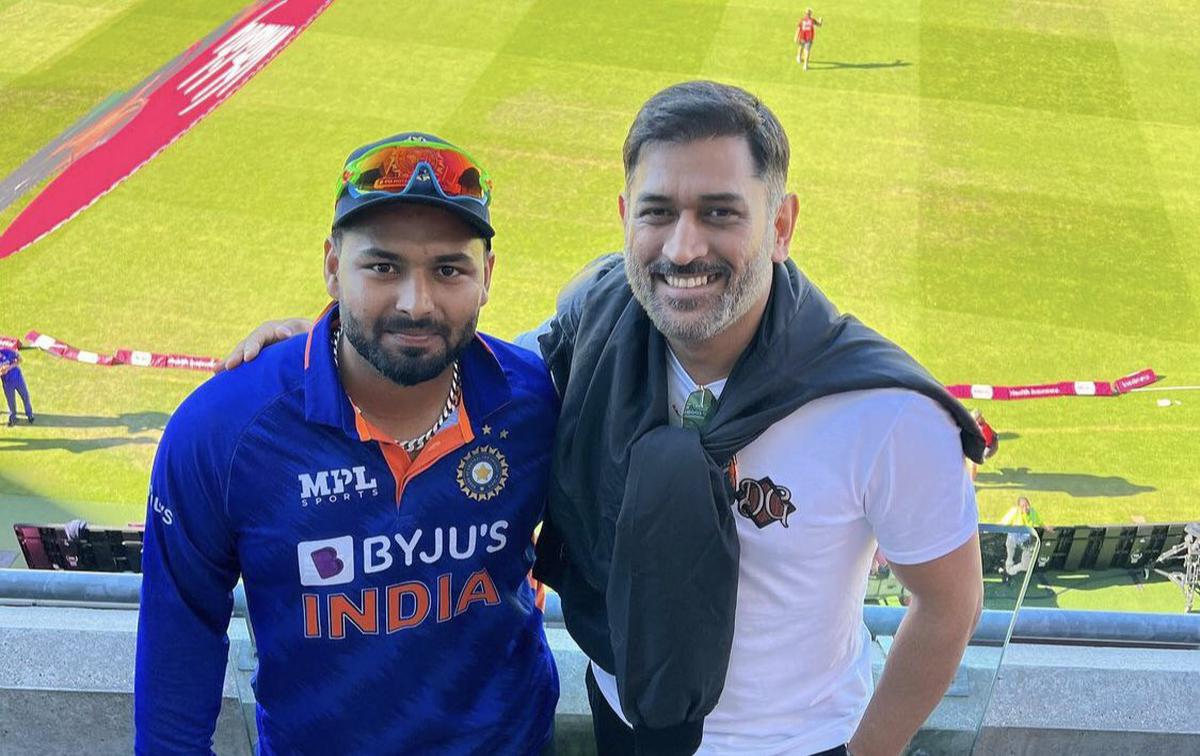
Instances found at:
x=408 y=366
x=671 y=316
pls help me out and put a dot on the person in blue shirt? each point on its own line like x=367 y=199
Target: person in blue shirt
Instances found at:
x=14 y=384
x=375 y=483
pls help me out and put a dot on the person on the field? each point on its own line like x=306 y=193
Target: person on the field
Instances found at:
x=376 y=485
x=991 y=441
x=806 y=31
x=14 y=384
x=729 y=454
x=1021 y=514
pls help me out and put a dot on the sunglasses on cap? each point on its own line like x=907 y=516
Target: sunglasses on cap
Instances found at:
x=391 y=168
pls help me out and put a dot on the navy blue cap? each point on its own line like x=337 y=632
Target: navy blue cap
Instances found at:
x=422 y=190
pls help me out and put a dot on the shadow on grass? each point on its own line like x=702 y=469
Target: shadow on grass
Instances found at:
x=1093 y=580
x=134 y=422
x=1073 y=484
x=834 y=65
x=1001 y=594
x=73 y=445
x=1113 y=590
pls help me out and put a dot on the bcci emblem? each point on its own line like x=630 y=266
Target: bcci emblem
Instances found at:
x=483 y=473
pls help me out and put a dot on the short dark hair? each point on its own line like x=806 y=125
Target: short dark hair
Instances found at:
x=706 y=109
x=358 y=220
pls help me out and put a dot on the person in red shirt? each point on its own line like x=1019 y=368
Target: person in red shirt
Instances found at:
x=805 y=31
x=991 y=440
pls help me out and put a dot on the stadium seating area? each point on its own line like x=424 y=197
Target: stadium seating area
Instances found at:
x=52 y=547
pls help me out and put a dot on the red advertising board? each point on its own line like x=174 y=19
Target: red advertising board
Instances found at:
x=152 y=120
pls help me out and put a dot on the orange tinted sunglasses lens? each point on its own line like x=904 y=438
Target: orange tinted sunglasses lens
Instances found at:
x=390 y=169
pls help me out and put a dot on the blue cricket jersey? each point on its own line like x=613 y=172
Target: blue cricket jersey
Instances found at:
x=390 y=599
x=13 y=376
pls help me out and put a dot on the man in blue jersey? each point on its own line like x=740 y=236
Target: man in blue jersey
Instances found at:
x=375 y=483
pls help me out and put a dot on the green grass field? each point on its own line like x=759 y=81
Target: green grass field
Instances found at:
x=1008 y=189
x=1113 y=590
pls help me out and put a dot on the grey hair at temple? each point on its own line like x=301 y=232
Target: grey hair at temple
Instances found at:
x=707 y=109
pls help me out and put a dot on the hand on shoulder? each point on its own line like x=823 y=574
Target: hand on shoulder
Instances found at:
x=270 y=332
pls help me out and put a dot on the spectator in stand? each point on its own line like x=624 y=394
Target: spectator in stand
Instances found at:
x=14 y=383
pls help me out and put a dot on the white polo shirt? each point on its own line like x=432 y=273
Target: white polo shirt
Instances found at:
x=816 y=492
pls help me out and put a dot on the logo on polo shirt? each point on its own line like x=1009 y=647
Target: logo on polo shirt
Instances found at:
x=341 y=484
x=763 y=502
x=482 y=473
x=327 y=562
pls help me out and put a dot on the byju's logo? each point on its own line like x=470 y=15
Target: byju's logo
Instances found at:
x=336 y=485
x=327 y=562
x=162 y=510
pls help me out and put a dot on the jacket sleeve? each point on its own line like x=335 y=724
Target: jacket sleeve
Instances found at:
x=556 y=337
x=189 y=570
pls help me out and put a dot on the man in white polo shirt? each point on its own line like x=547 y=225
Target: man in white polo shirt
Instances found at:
x=716 y=579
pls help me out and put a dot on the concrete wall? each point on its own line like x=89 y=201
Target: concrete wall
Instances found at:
x=66 y=685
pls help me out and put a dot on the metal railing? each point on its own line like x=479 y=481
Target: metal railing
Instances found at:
x=1034 y=625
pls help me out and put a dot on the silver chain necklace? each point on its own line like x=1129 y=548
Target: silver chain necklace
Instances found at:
x=414 y=445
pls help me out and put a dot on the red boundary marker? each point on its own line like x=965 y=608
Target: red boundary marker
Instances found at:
x=66 y=351
x=156 y=360
x=133 y=357
x=1049 y=390
x=983 y=391
x=147 y=123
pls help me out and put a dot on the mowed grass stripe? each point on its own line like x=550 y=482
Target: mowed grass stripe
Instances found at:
x=36 y=32
x=1008 y=65
x=668 y=35
x=131 y=43
x=224 y=228
x=1066 y=255
x=463 y=28
x=981 y=235
x=1161 y=61
x=1159 y=57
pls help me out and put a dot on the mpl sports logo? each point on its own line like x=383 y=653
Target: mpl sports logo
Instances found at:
x=341 y=484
